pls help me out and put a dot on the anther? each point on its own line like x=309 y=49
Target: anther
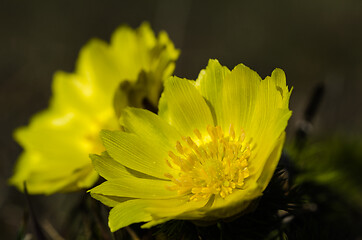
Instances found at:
x=191 y=143
x=231 y=131
x=168 y=175
x=175 y=159
x=246 y=172
x=179 y=147
x=242 y=136
x=198 y=134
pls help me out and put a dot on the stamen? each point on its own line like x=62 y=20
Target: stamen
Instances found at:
x=231 y=131
x=169 y=164
x=211 y=165
x=175 y=158
x=242 y=136
x=179 y=147
x=198 y=134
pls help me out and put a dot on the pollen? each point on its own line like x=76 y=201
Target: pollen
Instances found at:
x=213 y=164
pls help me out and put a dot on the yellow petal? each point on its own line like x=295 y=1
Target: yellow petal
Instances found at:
x=126 y=213
x=180 y=208
x=150 y=127
x=234 y=203
x=271 y=163
x=136 y=153
x=210 y=84
x=96 y=64
x=183 y=107
x=135 y=188
x=49 y=180
x=108 y=168
x=110 y=201
x=238 y=96
x=270 y=117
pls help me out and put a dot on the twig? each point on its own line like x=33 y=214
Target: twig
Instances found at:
x=132 y=233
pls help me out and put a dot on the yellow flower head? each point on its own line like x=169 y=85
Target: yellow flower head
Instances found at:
x=108 y=77
x=210 y=151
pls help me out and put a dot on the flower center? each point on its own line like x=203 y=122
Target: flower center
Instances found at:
x=214 y=164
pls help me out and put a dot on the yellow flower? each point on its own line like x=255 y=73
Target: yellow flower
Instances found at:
x=108 y=77
x=209 y=152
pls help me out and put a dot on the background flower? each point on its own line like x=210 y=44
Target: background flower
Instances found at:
x=209 y=152
x=108 y=77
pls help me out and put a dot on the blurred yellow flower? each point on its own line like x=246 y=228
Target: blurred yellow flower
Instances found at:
x=210 y=151
x=127 y=72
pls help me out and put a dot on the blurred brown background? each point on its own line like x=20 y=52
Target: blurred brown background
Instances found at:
x=313 y=41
